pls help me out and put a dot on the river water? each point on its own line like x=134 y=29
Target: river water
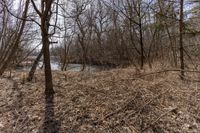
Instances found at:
x=70 y=67
x=76 y=67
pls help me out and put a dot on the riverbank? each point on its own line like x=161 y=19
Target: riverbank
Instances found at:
x=118 y=100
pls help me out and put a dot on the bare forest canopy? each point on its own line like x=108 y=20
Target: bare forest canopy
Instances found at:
x=102 y=32
x=108 y=33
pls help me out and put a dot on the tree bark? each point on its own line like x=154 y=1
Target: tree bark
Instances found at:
x=141 y=46
x=15 y=44
x=46 y=54
x=45 y=16
x=181 y=39
x=34 y=66
x=47 y=66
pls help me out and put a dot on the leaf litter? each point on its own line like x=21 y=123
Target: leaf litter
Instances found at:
x=118 y=100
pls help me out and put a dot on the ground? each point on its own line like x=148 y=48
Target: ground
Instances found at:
x=120 y=100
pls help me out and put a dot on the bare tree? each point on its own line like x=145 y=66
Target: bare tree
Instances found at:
x=80 y=18
x=10 y=50
x=34 y=66
x=45 y=15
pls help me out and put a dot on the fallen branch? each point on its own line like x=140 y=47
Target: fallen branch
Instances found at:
x=142 y=108
x=195 y=116
x=162 y=71
x=155 y=121
x=120 y=109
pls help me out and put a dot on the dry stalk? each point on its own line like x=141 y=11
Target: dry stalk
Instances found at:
x=120 y=109
x=155 y=121
x=163 y=71
x=146 y=104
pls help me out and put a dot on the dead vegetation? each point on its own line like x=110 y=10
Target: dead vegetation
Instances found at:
x=119 y=100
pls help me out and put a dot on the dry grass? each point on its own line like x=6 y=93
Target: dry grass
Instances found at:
x=119 y=100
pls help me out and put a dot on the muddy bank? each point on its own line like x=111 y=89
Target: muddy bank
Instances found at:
x=119 y=100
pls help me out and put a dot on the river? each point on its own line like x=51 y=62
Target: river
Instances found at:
x=71 y=67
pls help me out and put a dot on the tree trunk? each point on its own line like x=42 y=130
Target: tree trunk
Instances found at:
x=63 y=68
x=171 y=45
x=181 y=39
x=45 y=23
x=34 y=66
x=47 y=63
x=84 y=58
x=141 y=46
x=15 y=44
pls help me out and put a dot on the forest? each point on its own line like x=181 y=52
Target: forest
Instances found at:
x=99 y=66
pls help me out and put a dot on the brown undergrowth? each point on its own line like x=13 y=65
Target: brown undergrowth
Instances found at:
x=119 y=100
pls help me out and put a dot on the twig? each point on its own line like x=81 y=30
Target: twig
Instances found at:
x=195 y=116
x=149 y=102
x=155 y=121
x=162 y=71
x=120 y=109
